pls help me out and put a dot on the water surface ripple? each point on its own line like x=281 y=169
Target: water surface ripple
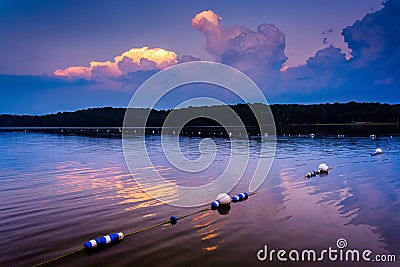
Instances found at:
x=58 y=191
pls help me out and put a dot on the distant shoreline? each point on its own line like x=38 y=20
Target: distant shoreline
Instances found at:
x=197 y=126
x=350 y=114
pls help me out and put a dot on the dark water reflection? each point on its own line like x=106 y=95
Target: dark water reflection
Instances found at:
x=58 y=191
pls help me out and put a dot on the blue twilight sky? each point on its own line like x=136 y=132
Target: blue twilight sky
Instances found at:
x=68 y=55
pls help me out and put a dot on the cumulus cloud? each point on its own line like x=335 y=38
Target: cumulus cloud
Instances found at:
x=163 y=58
x=325 y=69
x=217 y=36
x=135 y=59
x=205 y=19
x=257 y=53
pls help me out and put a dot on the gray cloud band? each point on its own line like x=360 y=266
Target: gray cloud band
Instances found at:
x=148 y=95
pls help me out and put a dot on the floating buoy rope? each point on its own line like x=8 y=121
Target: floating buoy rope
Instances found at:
x=222 y=200
x=377 y=151
x=322 y=169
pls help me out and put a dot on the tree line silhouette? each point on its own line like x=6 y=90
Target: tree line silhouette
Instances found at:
x=284 y=115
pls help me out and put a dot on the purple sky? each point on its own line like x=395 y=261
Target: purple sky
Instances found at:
x=296 y=51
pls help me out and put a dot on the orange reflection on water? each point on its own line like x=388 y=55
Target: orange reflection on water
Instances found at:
x=149 y=215
x=208 y=231
x=202 y=225
x=113 y=183
x=210 y=235
x=74 y=177
x=211 y=248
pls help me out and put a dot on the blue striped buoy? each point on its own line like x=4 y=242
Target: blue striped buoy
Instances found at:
x=311 y=174
x=240 y=197
x=103 y=240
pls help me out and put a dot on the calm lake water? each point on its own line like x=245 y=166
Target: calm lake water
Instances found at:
x=57 y=191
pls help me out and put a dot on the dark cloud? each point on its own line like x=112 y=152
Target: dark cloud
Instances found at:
x=132 y=80
x=375 y=47
x=327 y=31
x=38 y=94
x=326 y=69
x=327 y=59
x=33 y=82
x=372 y=74
x=188 y=58
x=375 y=39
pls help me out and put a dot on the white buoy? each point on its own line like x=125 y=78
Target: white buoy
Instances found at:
x=312 y=135
x=378 y=151
x=224 y=198
x=323 y=167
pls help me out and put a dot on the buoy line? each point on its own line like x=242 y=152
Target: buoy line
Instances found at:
x=322 y=169
x=379 y=151
x=114 y=238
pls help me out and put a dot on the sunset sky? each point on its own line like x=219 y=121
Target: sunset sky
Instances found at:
x=69 y=55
